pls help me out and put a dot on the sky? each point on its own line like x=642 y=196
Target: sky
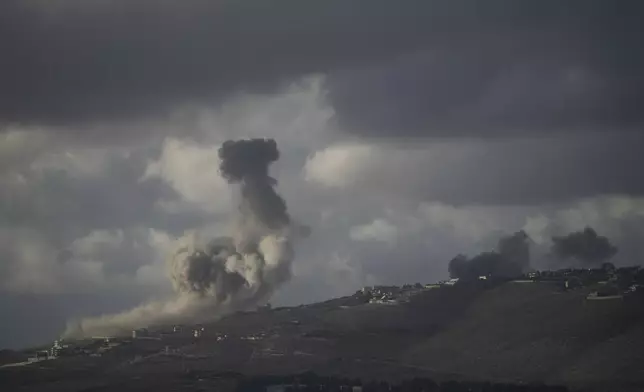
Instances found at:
x=409 y=132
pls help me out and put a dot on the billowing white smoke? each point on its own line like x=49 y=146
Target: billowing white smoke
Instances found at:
x=215 y=277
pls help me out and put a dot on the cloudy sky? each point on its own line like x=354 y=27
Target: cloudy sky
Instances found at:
x=410 y=131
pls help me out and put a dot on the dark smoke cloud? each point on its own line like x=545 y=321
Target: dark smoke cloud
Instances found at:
x=584 y=246
x=220 y=275
x=510 y=259
x=516 y=249
x=205 y=271
x=247 y=162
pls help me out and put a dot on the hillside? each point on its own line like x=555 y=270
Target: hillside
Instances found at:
x=521 y=332
x=478 y=331
x=534 y=332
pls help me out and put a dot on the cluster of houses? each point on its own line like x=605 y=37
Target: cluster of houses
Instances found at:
x=98 y=346
x=94 y=347
x=394 y=295
x=177 y=330
x=607 y=281
x=382 y=294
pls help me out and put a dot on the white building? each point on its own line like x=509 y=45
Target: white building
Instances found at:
x=141 y=332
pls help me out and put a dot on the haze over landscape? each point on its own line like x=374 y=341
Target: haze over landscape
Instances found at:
x=409 y=132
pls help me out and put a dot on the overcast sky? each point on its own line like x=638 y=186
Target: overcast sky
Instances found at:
x=409 y=131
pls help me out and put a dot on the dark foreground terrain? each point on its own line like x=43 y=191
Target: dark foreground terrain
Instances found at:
x=514 y=333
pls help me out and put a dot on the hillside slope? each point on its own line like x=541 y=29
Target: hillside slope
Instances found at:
x=534 y=332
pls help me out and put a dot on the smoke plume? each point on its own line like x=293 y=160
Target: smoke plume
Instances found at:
x=217 y=276
x=585 y=247
x=511 y=258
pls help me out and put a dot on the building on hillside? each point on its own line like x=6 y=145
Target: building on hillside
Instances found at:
x=198 y=332
x=60 y=349
x=139 y=333
x=42 y=354
x=385 y=290
x=221 y=337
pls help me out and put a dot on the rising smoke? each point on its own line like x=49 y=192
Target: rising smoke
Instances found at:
x=217 y=276
x=510 y=258
x=584 y=247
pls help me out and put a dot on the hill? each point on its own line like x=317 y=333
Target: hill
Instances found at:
x=509 y=332
x=535 y=332
x=477 y=331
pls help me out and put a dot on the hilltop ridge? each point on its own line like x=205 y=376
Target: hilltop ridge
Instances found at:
x=520 y=331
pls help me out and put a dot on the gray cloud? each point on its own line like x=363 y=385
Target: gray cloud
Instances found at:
x=69 y=61
x=529 y=171
x=567 y=71
x=78 y=222
x=55 y=199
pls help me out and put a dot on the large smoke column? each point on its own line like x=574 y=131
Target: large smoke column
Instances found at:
x=243 y=270
x=212 y=278
x=247 y=162
x=584 y=247
x=511 y=258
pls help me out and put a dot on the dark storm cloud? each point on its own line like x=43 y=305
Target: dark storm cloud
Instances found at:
x=71 y=61
x=527 y=171
x=66 y=61
x=538 y=171
x=563 y=69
